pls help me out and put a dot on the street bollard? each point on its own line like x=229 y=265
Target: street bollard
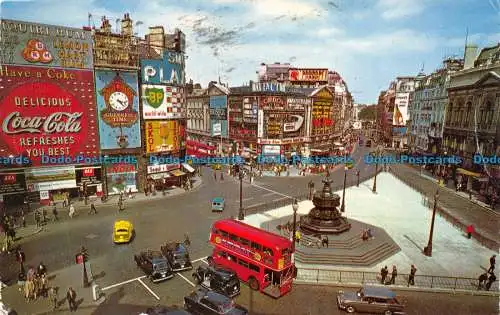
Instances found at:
x=97 y=294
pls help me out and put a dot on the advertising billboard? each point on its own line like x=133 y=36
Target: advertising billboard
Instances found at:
x=218 y=128
x=53 y=178
x=322 y=107
x=308 y=75
x=45 y=111
x=162 y=102
x=271 y=150
x=118 y=110
x=250 y=109
x=163 y=136
x=24 y=43
x=218 y=115
x=260 y=124
x=297 y=104
x=400 y=115
x=272 y=103
x=12 y=183
x=168 y=70
x=111 y=51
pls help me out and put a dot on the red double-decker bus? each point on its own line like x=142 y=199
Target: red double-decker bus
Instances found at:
x=260 y=258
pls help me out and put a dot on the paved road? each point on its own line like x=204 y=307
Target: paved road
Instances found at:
x=158 y=220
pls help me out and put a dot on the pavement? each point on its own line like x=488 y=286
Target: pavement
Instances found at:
x=461 y=211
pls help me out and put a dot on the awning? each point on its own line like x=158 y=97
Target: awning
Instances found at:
x=188 y=167
x=159 y=176
x=468 y=173
x=177 y=173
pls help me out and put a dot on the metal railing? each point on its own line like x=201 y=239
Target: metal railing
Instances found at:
x=324 y=276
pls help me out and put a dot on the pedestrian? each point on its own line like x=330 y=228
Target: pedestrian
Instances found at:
x=187 y=241
x=394 y=274
x=23 y=219
x=54 y=299
x=215 y=175
x=324 y=241
x=221 y=175
x=65 y=201
x=44 y=216
x=411 y=278
x=71 y=297
x=297 y=236
x=492 y=264
x=93 y=210
x=71 y=211
x=383 y=273
x=44 y=284
x=470 y=230
x=482 y=280
x=54 y=213
x=37 y=218
x=492 y=278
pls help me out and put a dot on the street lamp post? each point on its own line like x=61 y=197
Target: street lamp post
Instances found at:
x=241 y=215
x=295 y=207
x=374 y=189
x=357 y=175
x=84 y=254
x=342 y=207
x=428 y=248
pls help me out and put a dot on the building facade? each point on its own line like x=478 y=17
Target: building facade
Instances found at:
x=47 y=83
x=427 y=110
x=472 y=122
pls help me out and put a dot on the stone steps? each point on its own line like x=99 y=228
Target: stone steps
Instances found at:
x=346 y=257
x=350 y=243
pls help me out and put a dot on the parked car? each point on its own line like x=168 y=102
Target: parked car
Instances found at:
x=163 y=310
x=177 y=255
x=154 y=265
x=122 y=232
x=218 y=279
x=370 y=299
x=206 y=302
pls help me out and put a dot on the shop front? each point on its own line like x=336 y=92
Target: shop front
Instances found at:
x=89 y=181
x=121 y=178
x=52 y=182
x=164 y=176
x=12 y=189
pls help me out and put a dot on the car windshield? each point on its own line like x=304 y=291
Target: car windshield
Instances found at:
x=179 y=256
x=121 y=231
x=160 y=266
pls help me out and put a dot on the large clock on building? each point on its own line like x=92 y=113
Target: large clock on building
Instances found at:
x=119 y=98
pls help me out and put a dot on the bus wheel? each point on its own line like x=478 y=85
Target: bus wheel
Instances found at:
x=253 y=283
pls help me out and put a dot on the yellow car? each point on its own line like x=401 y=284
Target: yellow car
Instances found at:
x=122 y=232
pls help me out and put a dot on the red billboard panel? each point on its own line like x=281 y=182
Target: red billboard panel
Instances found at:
x=47 y=112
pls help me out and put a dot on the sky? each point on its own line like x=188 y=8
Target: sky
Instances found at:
x=369 y=42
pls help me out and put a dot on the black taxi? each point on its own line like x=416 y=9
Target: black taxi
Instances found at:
x=154 y=265
x=218 y=279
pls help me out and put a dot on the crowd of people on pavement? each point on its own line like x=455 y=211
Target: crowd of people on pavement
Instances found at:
x=386 y=280
x=34 y=284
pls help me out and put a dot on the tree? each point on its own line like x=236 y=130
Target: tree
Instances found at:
x=368 y=113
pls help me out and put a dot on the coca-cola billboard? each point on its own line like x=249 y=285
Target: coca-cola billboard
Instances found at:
x=47 y=112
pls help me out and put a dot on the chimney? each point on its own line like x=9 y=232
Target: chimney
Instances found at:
x=105 y=25
x=470 y=56
x=126 y=25
x=156 y=38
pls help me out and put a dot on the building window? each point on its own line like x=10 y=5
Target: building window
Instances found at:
x=466 y=122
